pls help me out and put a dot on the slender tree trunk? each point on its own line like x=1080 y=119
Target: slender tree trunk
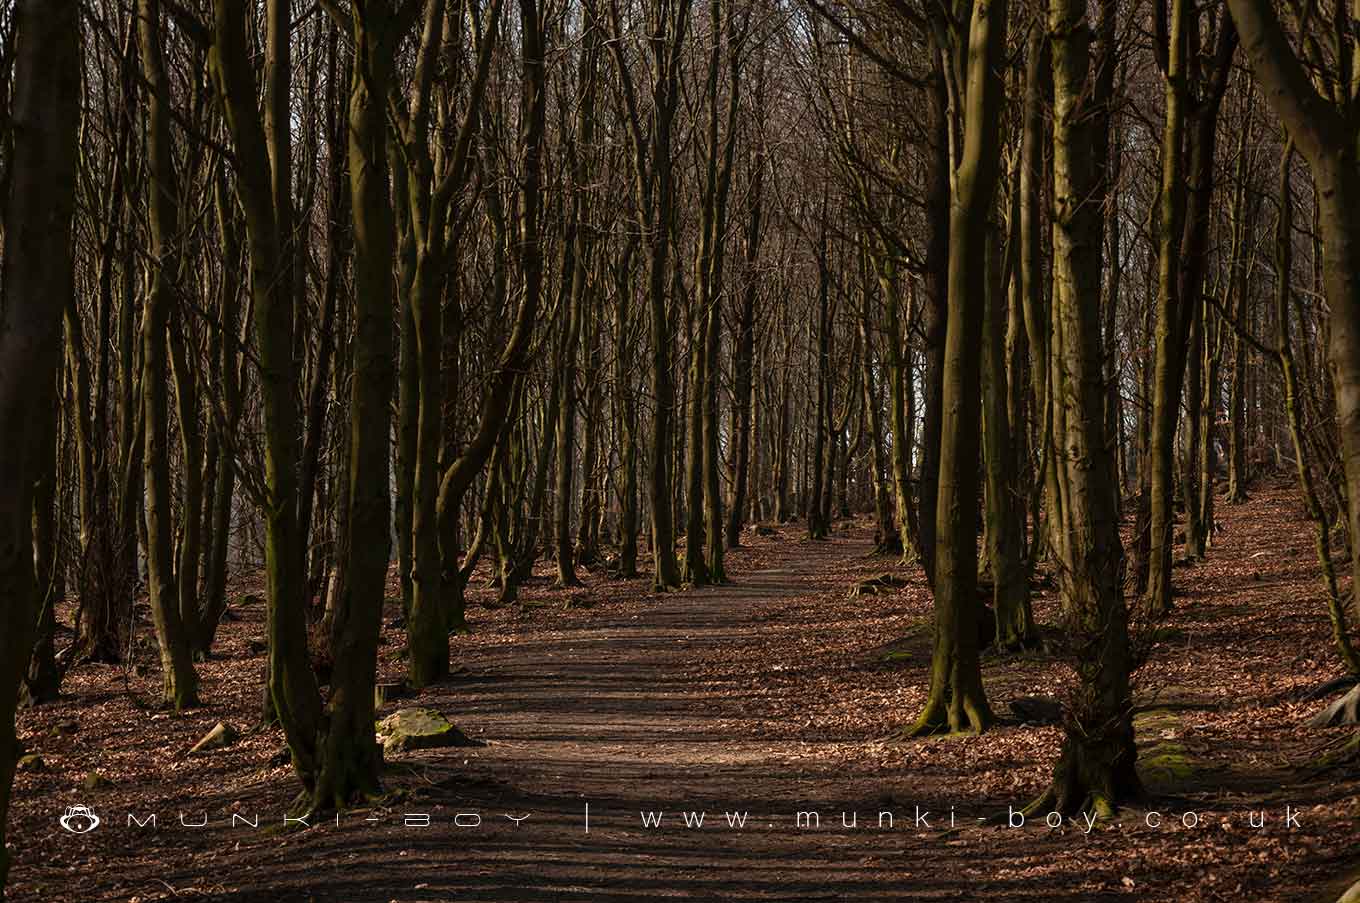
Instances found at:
x=1187 y=162
x=624 y=392
x=816 y=513
x=956 y=701
x=42 y=681
x=264 y=188
x=1010 y=583
x=180 y=680
x=1239 y=268
x=350 y=758
x=743 y=358
x=934 y=316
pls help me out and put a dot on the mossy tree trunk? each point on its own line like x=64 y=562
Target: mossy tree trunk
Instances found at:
x=1187 y=187
x=350 y=759
x=1095 y=770
x=180 y=679
x=957 y=701
x=1170 y=350
x=935 y=310
x=887 y=536
x=1239 y=267
x=226 y=365
x=264 y=189
x=432 y=232
x=1033 y=294
x=571 y=299
x=901 y=410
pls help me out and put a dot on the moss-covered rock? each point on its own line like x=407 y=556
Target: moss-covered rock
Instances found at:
x=1352 y=895
x=419 y=728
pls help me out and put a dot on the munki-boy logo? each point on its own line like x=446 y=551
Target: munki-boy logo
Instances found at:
x=79 y=820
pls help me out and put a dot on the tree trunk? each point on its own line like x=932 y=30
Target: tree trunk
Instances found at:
x=38 y=283
x=180 y=680
x=957 y=701
x=42 y=681
x=1010 y=583
x=935 y=315
x=1095 y=770
x=816 y=513
x=351 y=760
x=743 y=357
x=264 y=188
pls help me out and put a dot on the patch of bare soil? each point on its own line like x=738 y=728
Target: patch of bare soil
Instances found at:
x=765 y=706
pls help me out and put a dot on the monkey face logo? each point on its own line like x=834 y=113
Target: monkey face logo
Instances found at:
x=79 y=820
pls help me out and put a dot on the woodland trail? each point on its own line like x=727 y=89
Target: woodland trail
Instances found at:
x=614 y=714
x=759 y=699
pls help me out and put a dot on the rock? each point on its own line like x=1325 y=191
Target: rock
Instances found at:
x=95 y=781
x=63 y=728
x=282 y=756
x=256 y=647
x=1352 y=895
x=418 y=728
x=1037 y=710
x=383 y=693
x=765 y=530
x=1345 y=710
x=220 y=737
x=31 y=762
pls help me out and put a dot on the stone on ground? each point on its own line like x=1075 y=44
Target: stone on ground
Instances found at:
x=419 y=728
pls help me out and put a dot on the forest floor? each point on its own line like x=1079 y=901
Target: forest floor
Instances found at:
x=773 y=695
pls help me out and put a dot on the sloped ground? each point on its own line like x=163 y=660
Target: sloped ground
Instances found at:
x=771 y=696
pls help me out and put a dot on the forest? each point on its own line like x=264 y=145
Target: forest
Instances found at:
x=609 y=449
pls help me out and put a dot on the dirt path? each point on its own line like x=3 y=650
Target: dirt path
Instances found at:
x=744 y=704
x=618 y=715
